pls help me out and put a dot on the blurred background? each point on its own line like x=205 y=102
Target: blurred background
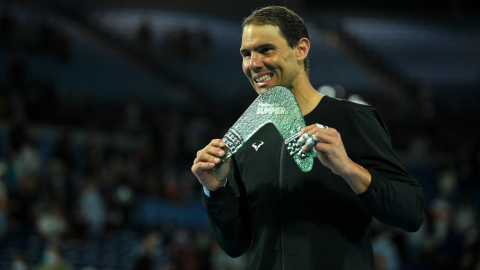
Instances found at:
x=104 y=104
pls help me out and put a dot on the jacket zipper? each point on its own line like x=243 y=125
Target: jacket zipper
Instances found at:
x=282 y=233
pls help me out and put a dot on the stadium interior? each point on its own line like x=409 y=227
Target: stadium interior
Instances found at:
x=103 y=106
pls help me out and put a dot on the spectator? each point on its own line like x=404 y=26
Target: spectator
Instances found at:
x=53 y=259
x=150 y=254
x=183 y=250
x=221 y=261
x=19 y=262
x=28 y=161
x=466 y=216
x=93 y=208
x=385 y=250
x=51 y=224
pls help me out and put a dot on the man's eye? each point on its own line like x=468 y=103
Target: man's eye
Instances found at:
x=246 y=55
x=264 y=50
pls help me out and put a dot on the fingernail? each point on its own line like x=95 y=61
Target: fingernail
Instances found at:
x=221 y=144
x=216 y=160
x=212 y=164
x=304 y=148
x=220 y=153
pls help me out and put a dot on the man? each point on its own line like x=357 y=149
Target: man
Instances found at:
x=287 y=218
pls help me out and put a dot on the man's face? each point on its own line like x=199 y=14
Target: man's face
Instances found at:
x=267 y=58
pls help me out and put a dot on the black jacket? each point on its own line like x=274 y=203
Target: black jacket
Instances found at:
x=294 y=220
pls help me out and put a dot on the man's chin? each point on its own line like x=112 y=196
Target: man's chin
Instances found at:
x=262 y=89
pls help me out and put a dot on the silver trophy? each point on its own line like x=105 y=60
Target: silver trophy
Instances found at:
x=276 y=105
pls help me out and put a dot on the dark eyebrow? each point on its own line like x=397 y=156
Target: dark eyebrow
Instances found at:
x=243 y=51
x=268 y=45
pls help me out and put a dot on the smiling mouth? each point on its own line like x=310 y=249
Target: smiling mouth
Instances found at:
x=263 y=79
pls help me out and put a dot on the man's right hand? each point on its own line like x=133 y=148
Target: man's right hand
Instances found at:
x=206 y=159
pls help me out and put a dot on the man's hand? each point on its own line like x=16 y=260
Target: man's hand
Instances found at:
x=206 y=160
x=332 y=155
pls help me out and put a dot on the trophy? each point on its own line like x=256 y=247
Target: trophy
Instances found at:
x=276 y=105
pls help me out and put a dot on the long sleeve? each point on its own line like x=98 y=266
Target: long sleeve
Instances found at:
x=229 y=217
x=394 y=197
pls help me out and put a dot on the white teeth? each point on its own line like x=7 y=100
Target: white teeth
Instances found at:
x=263 y=78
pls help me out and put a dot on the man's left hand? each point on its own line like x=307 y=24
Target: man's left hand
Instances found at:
x=331 y=151
x=332 y=155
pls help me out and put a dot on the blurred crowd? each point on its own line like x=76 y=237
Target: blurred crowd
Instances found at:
x=73 y=172
x=448 y=239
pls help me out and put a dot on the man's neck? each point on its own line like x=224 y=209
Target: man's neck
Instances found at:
x=307 y=97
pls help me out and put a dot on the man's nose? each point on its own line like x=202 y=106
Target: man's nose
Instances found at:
x=255 y=62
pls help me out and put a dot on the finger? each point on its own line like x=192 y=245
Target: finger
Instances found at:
x=212 y=147
x=206 y=157
x=301 y=141
x=311 y=141
x=323 y=136
x=308 y=145
x=307 y=129
x=312 y=129
x=200 y=167
x=214 y=151
x=321 y=126
x=319 y=136
x=323 y=147
x=217 y=143
x=319 y=146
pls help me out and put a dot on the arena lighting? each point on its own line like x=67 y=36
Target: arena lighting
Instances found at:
x=327 y=90
x=357 y=99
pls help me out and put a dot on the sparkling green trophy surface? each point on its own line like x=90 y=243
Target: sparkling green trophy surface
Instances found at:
x=276 y=105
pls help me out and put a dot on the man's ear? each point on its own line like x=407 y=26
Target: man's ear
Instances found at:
x=303 y=47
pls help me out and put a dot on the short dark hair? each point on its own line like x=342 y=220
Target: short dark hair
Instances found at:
x=292 y=27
